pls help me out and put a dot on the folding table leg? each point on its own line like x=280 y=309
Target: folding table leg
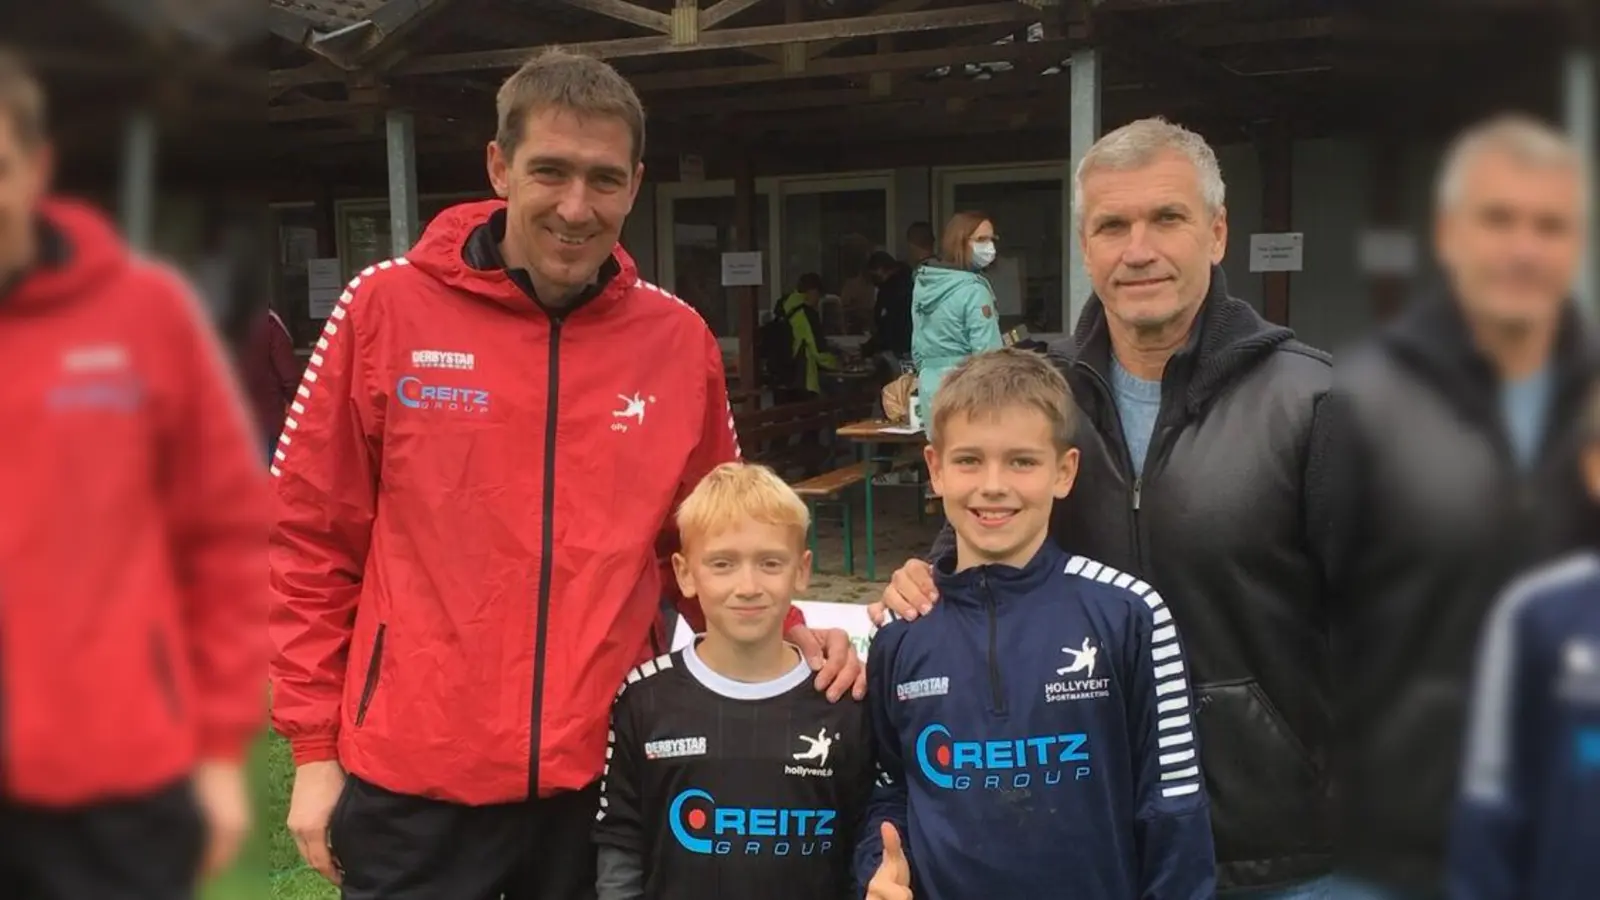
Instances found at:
x=849 y=536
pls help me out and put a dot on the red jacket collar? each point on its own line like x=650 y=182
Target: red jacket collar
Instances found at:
x=446 y=253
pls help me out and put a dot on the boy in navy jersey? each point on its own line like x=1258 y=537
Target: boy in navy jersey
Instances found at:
x=1528 y=824
x=1033 y=733
x=727 y=775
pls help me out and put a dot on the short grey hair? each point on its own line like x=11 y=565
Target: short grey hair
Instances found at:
x=1525 y=139
x=1137 y=144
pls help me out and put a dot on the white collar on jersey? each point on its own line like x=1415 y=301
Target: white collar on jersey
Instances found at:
x=744 y=690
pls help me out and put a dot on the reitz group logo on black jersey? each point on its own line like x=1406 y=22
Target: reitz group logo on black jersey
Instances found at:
x=702 y=826
x=1015 y=763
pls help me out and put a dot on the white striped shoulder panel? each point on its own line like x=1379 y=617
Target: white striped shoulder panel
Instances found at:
x=643 y=285
x=1488 y=762
x=635 y=675
x=328 y=343
x=639 y=673
x=1179 y=762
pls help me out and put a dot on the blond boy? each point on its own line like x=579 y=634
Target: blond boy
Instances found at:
x=727 y=774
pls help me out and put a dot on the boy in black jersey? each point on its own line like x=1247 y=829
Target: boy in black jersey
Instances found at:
x=727 y=775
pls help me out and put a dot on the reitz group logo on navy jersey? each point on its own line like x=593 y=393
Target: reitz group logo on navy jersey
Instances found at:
x=701 y=826
x=1589 y=750
x=1015 y=763
x=413 y=392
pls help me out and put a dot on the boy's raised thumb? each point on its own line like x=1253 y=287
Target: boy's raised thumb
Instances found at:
x=891 y=842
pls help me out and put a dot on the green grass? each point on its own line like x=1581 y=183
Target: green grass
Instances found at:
x=270 y=866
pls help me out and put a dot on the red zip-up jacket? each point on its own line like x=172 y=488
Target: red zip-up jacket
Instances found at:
x=474 y=494
x=133 y=524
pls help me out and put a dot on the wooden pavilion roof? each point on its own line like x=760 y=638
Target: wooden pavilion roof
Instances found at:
x=812 y=74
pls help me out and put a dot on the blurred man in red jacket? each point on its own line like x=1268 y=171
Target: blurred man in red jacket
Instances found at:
x=132 y=554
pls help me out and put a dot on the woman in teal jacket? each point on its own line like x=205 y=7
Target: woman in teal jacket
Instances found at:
x=953 y=313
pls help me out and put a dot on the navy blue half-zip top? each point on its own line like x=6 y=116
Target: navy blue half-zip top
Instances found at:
x=996 y=685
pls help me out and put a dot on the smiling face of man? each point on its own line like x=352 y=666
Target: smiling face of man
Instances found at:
x=1149 y=241
x=568 y=189
x=566 y=158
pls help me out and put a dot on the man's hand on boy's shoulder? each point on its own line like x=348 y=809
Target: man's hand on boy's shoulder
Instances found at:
x=910 y=593
x=830 y=654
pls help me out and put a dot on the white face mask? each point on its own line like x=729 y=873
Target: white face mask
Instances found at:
x=982 y=254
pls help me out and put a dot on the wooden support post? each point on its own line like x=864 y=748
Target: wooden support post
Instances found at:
x=1386 y=210
x=744 y=217
x=1275 y=148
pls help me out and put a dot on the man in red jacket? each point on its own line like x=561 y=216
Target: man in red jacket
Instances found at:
x=475 y=487
x=133 y=520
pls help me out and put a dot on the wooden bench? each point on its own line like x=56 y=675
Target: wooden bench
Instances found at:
x=764 y=433
x=830 y=489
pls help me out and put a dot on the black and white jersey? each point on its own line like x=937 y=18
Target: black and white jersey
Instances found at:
x=732 y=790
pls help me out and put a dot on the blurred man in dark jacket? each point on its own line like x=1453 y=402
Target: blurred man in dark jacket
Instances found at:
x=1462 y=456
x=891 y=317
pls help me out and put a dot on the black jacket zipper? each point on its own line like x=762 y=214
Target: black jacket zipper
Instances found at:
x=374 y=667
x=996 y=686
x=546 y=549
x=1124 y=456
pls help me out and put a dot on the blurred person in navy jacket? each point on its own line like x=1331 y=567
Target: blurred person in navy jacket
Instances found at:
x=1528 y=824
x=132 y=555
x=1462 y=473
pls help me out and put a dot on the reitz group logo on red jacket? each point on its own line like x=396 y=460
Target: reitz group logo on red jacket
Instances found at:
x=413 y=392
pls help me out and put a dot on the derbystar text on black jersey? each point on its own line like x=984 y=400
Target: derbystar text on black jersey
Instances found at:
x=725 y=789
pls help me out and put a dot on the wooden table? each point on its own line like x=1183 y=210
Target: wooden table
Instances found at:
x=865 y=435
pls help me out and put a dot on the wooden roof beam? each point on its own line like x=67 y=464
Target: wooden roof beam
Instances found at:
x=1039 y=52
x=733 y=38
x=720 y=12
x=623 y=11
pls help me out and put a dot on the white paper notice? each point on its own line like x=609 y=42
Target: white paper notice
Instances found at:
x=1277 y=252
x=325 y=283
x=741 y=269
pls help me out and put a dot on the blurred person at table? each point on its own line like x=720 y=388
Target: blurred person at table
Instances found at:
x=921 y=244
x=1462 y=473
x=132 y=548
x=953 y=312
x=891 y=316
x=474 y=511
x=809 y=349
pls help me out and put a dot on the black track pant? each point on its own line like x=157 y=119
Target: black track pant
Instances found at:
x=139 y=849
x=398 y=847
